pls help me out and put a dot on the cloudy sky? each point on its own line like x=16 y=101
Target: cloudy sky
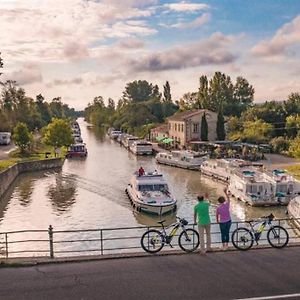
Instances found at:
x=79 y=49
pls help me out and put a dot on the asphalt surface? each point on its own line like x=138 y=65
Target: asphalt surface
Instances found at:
x=222 y=275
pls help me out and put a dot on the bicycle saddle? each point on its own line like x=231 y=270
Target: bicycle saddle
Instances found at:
x=161 y=222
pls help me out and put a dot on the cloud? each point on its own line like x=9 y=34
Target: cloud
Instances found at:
x=28 y=74
x=130 y=43
x=286 y=37
x=212 y=51
x=198 y=22
x=186 y=7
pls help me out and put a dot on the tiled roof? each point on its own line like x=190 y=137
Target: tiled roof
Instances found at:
x=187 y=114
x=161 y=128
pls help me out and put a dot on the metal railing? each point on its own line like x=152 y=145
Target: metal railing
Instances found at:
x=68 y=243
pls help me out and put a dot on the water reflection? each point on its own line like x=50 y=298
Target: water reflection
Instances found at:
x=62 y=193
x=25 y=190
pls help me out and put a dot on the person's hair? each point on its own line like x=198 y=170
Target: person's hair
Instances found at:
x=200 y=198
x=221 y=199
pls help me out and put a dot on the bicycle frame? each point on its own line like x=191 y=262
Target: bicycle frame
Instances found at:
x=257 y=232
x=176 y=226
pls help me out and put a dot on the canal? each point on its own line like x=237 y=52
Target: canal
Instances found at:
x=90 y=193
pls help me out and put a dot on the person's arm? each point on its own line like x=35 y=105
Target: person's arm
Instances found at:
x=217 y=216
x=226 y=194
x=195 y=216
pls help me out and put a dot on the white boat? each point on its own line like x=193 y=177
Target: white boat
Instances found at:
x=114 y=134
x=252 y=187
x=128 y=141
x=286 y=187
x=141 y=147
x=293 y=209
x=5 y=138
x=223 y=168
x=182 y=159
x=150 y=193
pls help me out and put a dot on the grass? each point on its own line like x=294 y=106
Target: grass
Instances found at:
x=293 y=170
x=37 y=154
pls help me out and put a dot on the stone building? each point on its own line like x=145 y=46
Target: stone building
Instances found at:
x=185 y=127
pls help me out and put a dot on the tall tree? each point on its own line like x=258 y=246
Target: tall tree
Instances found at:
x=204 y=128
x=220 y=127
x=203 y=95
x=167 y=93
x=243 y=94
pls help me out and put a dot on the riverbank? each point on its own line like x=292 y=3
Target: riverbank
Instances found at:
x=8 y=176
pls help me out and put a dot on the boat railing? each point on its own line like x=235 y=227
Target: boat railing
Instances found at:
x=51 y=243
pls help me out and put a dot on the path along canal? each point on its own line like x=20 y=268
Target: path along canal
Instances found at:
x=90 y=193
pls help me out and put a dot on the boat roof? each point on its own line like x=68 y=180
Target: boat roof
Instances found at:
x=150 y=178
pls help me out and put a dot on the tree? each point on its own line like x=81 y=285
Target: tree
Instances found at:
x=280 y=144
x=292 y=125
x=138 y=91
x=22 y=137
x=58 y=134
x=257 y=131
x=292 y=104
x=203 y=95
x=294 y=149
x=220 y=127
x=243 y=94
x=204 y=128
x=167 y=93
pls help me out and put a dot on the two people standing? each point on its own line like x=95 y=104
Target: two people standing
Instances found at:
x=201 y=210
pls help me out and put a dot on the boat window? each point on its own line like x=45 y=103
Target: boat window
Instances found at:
x=150 y=187
x=282 y=188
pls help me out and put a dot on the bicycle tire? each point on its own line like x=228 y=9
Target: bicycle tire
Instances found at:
x=283 y=231
x=238 y=237
x=147 y=241
x=187 y=233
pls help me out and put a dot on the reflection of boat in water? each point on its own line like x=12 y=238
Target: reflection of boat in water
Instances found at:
x=182 y=159
x=151 y=220
x=141 y=147
x=150 y=193
x=293 y=209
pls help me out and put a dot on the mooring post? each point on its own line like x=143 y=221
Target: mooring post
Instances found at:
x=6 y=245
x=50 y=232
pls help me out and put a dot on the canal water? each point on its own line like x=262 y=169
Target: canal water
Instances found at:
x=90 y=193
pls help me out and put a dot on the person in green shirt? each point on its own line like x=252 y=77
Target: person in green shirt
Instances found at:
x=201 y=210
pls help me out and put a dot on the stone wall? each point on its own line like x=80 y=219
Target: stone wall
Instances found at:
x=9 y=175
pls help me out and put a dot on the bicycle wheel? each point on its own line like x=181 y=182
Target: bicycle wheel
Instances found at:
x=242 y=238
x=277 y=236
x=152 y=241
x=188 y=240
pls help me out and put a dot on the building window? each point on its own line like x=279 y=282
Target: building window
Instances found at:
x=175 y=127
x=195 y=128
x=181 y=127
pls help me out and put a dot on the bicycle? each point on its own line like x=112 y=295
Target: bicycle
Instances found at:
x=153 y=240
x=243 y=238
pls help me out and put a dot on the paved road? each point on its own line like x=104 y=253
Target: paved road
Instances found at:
x=224 y=275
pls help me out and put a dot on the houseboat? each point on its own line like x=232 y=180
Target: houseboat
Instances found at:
x=114 y=134
x=252 y=187
x=77 y=150
x=150 y=193
x=141 y=147
x=222 y=169
x=128 y=141
x=182 y=159
x=286 y=187
x=293 y=210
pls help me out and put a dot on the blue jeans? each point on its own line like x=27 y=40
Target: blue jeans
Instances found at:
x=225 y=228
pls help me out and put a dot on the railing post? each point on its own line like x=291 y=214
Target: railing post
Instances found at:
x=6 y=245
x=101 y=241
x=50 y=233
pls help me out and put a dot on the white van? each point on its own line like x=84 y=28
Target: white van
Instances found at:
x=5 y=138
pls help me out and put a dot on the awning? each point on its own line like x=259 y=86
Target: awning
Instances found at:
x=167 y=141
x=160 y=138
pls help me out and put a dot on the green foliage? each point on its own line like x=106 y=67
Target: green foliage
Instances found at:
x=294 y=149
x=204 y=129
x=139 y=91
x=58 y=133
x=167 y=93
x=292 y=125
x=220 y=127
x=280 y=144
x=22 y=137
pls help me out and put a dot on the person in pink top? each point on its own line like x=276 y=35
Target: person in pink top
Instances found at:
x=223 y=218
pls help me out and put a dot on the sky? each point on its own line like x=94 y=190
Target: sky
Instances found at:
x=80 y=49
